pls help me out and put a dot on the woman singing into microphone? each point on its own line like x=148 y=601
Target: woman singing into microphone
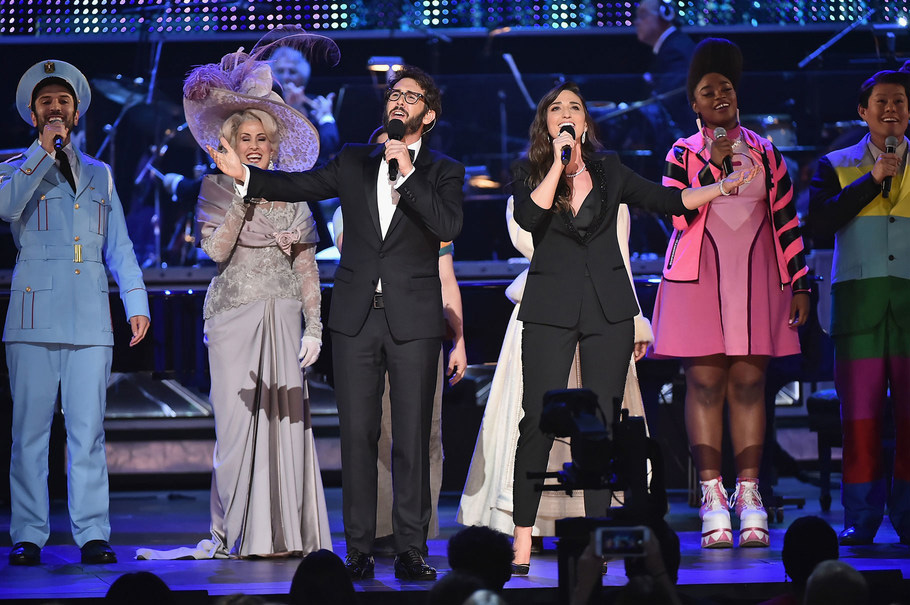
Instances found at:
x=578 y=293
x=734 y=290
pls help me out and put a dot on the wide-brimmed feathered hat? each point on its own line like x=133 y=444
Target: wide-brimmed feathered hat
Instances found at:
x=240 y=81
x=51 y=69
x=714 y=55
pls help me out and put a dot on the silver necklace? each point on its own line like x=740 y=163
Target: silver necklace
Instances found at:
x=575 y=174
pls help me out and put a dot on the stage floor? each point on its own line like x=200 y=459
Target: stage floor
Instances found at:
x=163 y=520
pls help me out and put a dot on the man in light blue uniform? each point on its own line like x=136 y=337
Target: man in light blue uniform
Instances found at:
x=67 y=222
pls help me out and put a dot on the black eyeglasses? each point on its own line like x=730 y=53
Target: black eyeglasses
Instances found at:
x=410 y=98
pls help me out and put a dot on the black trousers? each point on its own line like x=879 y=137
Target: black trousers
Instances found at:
x=360 y=364
x=547 y=352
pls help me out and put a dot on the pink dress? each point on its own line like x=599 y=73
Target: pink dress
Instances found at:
x=737 y=305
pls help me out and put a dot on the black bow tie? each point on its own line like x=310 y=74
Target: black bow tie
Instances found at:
x=412 y=154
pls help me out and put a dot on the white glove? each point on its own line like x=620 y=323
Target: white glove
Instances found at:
x=309 y=351
x=171 y=180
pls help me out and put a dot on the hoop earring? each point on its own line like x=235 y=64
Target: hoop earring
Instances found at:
x=583 y=137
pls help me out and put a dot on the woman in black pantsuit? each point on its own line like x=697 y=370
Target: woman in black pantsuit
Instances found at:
x=578 y=292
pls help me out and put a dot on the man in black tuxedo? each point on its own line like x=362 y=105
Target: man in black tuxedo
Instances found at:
x=386 y=312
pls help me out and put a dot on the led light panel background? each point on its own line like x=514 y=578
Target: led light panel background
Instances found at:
x=210 y=17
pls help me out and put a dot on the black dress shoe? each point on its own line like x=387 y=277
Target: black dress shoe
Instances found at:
x=521 y=569
x=855 y=536
x=97 y=552
x=410 y=565
x=360 y=565
x=25 y=553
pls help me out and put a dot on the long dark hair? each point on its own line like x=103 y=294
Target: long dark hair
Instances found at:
x=540 y=148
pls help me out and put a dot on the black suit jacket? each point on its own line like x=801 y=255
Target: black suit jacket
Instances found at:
x=563 y=258
x=407 y=259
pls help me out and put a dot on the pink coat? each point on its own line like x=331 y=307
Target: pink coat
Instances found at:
x=686 y=167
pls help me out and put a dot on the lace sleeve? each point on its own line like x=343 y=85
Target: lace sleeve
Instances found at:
x=219 y=243
x=305 y=266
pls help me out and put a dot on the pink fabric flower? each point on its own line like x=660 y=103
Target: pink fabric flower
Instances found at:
x=286 y=239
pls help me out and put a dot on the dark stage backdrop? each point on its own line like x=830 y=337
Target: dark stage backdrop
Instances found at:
x=213 y=18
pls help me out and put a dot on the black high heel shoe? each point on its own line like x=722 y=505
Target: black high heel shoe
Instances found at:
x=520 y=569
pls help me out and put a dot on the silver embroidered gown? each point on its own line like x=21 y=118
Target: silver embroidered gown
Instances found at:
x=267 y=496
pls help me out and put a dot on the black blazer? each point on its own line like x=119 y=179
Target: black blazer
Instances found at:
x=563 y=258
x=407 y=260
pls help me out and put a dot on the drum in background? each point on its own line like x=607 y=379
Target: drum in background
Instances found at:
x=779 y=128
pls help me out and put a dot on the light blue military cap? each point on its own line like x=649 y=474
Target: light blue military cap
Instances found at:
x=52 y=68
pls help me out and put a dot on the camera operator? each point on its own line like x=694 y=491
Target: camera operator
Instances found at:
x=652 y=578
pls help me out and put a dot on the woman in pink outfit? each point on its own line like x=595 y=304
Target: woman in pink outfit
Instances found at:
x=734 y=290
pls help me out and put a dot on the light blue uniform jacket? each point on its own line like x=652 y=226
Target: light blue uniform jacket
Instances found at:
x=54 y=298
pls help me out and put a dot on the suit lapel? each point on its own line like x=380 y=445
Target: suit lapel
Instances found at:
x=862 y=156
x=55 y=178
x=86 y=175
x=370 y=178
x=903 y=194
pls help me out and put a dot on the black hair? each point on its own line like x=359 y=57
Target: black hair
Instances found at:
x=883 y=77
x=714 y=55
x=49 y=81
x=482 y=552
x=808 y=541
x=431 y=93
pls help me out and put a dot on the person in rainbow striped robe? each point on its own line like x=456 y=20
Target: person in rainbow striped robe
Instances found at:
x=870 y=296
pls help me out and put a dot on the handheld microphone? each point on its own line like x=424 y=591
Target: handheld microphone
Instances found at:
x=395 y=130
x=58 y=142
x=890 y=147
x=567 y=149
x=720 y=133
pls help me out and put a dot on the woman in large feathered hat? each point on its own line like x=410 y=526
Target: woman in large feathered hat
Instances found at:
x=267 y=496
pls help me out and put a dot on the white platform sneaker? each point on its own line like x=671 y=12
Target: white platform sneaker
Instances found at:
x=716 y=531
x=753 y=520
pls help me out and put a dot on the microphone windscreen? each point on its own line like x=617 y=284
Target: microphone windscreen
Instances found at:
x=720 y=132
x=890 y=143
x=395 y=129
x=568 y=128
